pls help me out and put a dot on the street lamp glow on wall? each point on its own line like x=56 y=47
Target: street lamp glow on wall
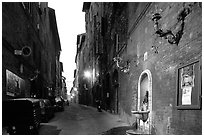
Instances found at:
x=75 y=89
x=87 y=74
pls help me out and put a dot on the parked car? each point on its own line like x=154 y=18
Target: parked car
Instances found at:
x=59 y=104
x=47 y=110
x=21 y=116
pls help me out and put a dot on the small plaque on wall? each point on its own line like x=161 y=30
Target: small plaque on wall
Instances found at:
x=189 y=86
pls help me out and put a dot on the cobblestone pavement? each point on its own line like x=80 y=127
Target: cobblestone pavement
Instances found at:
x=83 y=120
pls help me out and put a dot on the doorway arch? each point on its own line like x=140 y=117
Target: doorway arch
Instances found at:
x=144 y=85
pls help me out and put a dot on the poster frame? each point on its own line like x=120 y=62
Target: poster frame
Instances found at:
x=179 y=91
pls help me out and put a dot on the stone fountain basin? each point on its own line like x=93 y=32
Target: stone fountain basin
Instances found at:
x=142 y=115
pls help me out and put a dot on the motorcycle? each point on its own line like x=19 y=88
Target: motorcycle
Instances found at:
x=98 y=104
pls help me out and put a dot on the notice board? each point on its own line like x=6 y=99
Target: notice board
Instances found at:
x=189 y=86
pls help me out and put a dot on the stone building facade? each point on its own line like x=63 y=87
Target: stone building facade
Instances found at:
x=148 y=57
x=29 y=27
x=82 y=84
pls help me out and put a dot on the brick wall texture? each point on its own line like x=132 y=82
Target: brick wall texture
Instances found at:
x=163 y=65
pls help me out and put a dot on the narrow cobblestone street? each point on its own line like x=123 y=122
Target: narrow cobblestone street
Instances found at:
x=115 y=68
x=81 y=120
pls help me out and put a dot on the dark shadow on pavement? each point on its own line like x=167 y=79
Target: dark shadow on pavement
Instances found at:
x=117 y=130
x=49 y=130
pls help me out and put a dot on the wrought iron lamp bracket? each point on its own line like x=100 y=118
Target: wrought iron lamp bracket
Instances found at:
x=125 y=68
x=168 y=34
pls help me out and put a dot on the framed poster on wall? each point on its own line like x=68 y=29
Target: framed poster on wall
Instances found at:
x=189 y=86
x=15 y=86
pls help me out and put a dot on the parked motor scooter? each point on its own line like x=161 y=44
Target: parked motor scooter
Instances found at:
x=98 y=105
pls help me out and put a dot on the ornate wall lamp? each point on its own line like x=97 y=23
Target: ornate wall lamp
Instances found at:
x=125 y=68
x=168 y=34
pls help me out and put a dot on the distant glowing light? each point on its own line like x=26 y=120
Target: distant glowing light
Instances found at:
x=87 y=74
